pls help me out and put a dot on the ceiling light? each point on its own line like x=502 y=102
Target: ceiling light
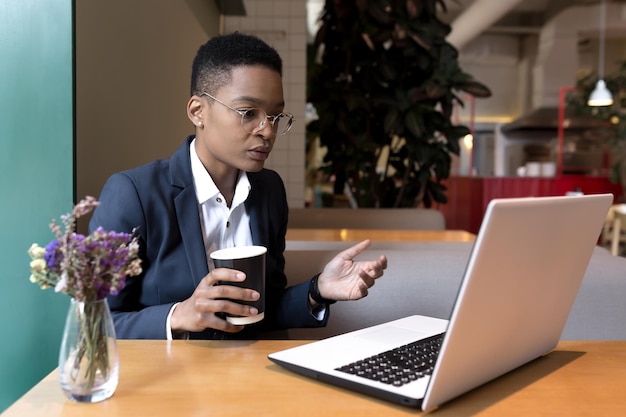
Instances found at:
x=600 y=96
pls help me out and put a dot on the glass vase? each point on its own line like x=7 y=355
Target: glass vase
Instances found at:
x=88 y=360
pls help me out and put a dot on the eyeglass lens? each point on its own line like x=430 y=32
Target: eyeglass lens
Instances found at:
x=254 y=119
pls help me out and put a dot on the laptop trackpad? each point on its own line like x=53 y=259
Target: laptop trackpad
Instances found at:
x=392 y=335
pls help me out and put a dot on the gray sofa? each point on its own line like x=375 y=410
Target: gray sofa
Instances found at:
x=424 y=277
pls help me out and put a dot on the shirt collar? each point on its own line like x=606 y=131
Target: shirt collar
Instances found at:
x=205 y=186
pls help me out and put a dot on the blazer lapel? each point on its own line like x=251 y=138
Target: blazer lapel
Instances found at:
x=191 y=232
x=187 y=214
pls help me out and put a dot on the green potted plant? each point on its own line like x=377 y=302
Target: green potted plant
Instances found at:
x=384 y=82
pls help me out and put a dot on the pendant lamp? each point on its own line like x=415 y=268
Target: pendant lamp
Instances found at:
x=601 y=96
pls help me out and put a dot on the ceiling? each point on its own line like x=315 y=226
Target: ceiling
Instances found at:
x=531 y=14
x=521 y=17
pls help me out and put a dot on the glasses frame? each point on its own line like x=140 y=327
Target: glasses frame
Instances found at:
x=271 y=118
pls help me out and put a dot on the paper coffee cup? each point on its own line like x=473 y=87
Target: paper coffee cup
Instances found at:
x=251 y=261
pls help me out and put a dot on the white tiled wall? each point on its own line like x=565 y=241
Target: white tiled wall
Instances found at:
x=282 y=24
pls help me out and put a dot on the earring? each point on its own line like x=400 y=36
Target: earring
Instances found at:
x=199 y=124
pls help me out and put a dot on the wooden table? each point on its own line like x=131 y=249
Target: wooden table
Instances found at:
x=382 y=235
x=235 y=378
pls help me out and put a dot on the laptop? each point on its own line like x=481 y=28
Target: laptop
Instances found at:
x=522 y=277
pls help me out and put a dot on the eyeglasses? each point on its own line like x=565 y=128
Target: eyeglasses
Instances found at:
x=253 y=119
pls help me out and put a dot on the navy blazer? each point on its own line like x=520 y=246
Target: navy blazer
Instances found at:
x=159 y=200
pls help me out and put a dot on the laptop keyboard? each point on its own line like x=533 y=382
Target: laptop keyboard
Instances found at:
x=400 y=365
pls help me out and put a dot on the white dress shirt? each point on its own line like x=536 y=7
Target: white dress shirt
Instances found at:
x=222 y=226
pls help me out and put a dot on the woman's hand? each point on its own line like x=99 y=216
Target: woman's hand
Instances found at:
x=212 y=296
x=343 y=278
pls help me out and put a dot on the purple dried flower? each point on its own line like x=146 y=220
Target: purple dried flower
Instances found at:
x=51 y=254
x=85 y=206
x=89 y=267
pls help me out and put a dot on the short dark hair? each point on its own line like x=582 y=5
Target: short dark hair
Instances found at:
x=215 y=60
